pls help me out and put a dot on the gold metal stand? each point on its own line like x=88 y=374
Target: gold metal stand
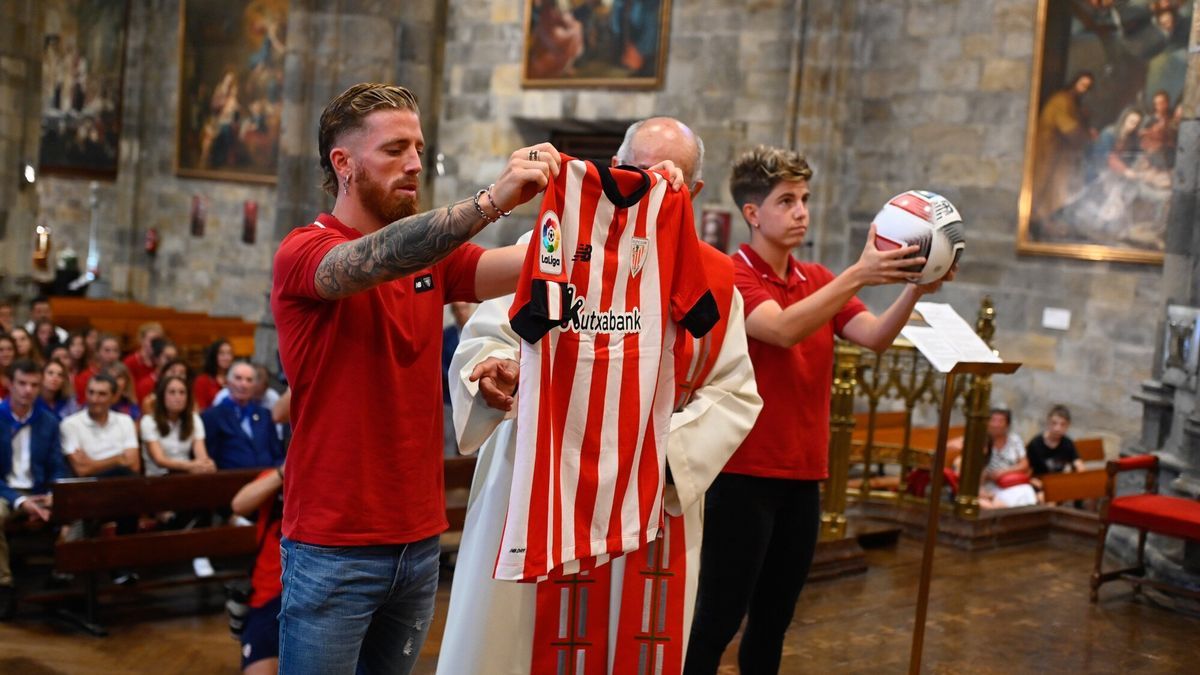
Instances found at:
x=935 y=496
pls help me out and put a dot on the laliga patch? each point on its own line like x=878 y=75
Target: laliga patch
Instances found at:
x=550 y=259
x=423 y=283
x=637 y=255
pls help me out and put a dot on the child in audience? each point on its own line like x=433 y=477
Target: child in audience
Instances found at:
x=1052 y=451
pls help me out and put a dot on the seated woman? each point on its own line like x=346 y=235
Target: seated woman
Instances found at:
x=173 y=434
x=26 y=347
x=173 y=368
x=45 y=337
x=56 y=396
x=78 y=353
x=1005 y=478
x=260 y=634
x=217 y=359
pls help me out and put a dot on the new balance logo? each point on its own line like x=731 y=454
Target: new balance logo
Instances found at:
x=583 y=253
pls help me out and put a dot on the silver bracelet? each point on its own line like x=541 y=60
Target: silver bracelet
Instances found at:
x=492 y=201
x=479 y=209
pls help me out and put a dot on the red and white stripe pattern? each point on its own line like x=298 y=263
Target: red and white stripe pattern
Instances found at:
x=596 y=393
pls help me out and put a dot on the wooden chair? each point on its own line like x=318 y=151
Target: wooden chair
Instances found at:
x=1146 y=512
x=96 y=501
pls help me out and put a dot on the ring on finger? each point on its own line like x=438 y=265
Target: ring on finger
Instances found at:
x=533 y=155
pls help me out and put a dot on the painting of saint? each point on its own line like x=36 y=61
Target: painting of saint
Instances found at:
x=609 y=43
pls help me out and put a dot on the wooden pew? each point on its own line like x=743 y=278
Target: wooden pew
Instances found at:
x=1074 y=485
x=96 y=501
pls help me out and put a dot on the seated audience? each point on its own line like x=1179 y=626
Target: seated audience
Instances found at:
x=7 y=318
x=102 y=443
x=174 y=433
x=260 y=634
x=78 y=356
x=163 y=351
x=45 y=339
x=141 y=363
x=108 y=352
x=97 y=440
x=59 y=353
x=1005 y=476
x=8 y=354
x=173 y=368
x=29 y=461
x=57 y=396
x=1053 y=451
x=125 y=402
x=40 y=310
x=217 y=359
x=26 y=348
x=263 y=394
x=240 y=433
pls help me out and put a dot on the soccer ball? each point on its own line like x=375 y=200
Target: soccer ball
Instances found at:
x=924 y=219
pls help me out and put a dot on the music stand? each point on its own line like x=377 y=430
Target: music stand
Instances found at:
x=935 y=494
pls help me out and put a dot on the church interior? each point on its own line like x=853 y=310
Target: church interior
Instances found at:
x=155 y=155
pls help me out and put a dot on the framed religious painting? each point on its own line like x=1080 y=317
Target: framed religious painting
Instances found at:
x=83 y=63
x=619 y=44
x=1104 y=118
x=230 y=88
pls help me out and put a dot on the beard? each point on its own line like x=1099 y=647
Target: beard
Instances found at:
x=380 y=200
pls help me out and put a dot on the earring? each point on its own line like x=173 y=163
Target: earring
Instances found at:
x=346 y=186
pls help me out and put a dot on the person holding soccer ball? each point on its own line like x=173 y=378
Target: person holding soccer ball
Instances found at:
x=762 y=513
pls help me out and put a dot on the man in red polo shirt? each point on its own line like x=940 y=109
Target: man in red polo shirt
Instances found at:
x=358 y=305
x=762 y=513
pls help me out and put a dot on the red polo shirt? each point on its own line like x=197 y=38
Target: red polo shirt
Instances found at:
x=365 y=463
x=791 y=437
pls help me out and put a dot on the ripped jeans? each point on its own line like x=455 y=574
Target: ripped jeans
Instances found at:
x=364 y=609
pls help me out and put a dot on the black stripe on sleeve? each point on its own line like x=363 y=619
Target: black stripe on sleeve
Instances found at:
x=702 y=316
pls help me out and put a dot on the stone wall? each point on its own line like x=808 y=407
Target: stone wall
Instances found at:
x=940 y=101
x=19 y=50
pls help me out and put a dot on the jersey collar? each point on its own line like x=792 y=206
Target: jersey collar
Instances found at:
x=326 y=221
x=760 y=266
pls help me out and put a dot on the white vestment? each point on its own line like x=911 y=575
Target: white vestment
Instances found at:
x=490 y=625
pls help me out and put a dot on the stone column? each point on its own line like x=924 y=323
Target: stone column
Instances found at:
x=20 y=78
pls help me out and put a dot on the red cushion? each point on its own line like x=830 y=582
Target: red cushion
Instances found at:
x=1137 y=462
x=1172 y=516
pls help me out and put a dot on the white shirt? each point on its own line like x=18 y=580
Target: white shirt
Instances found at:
x=98 y=442
x=173 y=446
x=21 y=476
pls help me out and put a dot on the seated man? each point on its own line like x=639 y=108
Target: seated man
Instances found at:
x=29 y=461
x=1053 y=451
x=99 y=441
x=239 y=431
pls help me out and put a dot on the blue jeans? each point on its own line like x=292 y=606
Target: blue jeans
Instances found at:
x=364 y=609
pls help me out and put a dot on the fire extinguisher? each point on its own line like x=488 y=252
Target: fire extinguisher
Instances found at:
x=41 y=248
x=151 y=241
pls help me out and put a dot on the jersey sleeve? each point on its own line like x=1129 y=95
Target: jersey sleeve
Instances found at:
x=852 y=308
x=457 y=273
x=296 y=261
x=542 y=300
x=748 y=283
x=692 y=303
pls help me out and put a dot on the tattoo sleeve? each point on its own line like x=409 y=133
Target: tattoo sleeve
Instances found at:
x=401 y=248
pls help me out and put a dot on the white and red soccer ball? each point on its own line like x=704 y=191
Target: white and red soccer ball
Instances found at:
x=923 y=219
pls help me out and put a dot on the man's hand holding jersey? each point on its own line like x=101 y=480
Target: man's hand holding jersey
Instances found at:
x=497 y=380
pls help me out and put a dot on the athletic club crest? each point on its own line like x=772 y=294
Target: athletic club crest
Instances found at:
x=637 y=257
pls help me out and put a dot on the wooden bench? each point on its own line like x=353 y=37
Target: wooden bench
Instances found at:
x=97 y=501
x=1146 y=512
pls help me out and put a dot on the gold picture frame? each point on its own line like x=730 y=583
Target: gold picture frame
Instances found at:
x=230 y=89
x=1099 y=154
x=574 y=43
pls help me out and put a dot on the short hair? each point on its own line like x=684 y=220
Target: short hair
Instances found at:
x=347 y=112
x=107 y=337
x=1002 y=411
x=159 y=345
x=39 y=300
x=1059 y=410
x=625 y=152
x=148 y=327
x=26 y=366
x=107 y=379
x=758 y=171
x=243 y=362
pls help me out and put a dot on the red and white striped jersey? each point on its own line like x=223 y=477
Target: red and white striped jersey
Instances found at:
x=612 y=268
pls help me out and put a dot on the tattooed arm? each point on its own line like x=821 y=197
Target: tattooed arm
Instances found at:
x=405 y=246
x=416 y=242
